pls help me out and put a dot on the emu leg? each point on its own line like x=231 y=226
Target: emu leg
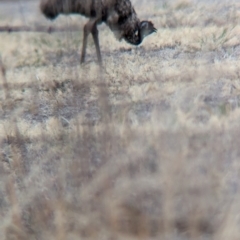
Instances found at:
x=86 y=32
x=96 y=42
x=91 y=26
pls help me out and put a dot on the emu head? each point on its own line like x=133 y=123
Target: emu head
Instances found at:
x=142 y=30
x=146 y=28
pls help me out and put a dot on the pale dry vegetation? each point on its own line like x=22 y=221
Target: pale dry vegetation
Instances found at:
x=146 y=148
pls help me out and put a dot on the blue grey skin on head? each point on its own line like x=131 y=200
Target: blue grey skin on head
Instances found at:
x=147 y=28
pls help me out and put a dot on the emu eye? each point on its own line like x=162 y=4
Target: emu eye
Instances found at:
x=144 y=24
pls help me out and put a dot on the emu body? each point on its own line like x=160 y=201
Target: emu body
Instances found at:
x=119 y=15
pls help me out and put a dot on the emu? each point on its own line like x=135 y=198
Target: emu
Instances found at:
x=119 y=15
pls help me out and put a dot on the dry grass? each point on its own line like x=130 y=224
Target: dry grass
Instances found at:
x=147 y=148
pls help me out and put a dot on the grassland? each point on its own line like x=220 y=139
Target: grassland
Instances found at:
x=146 y=148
